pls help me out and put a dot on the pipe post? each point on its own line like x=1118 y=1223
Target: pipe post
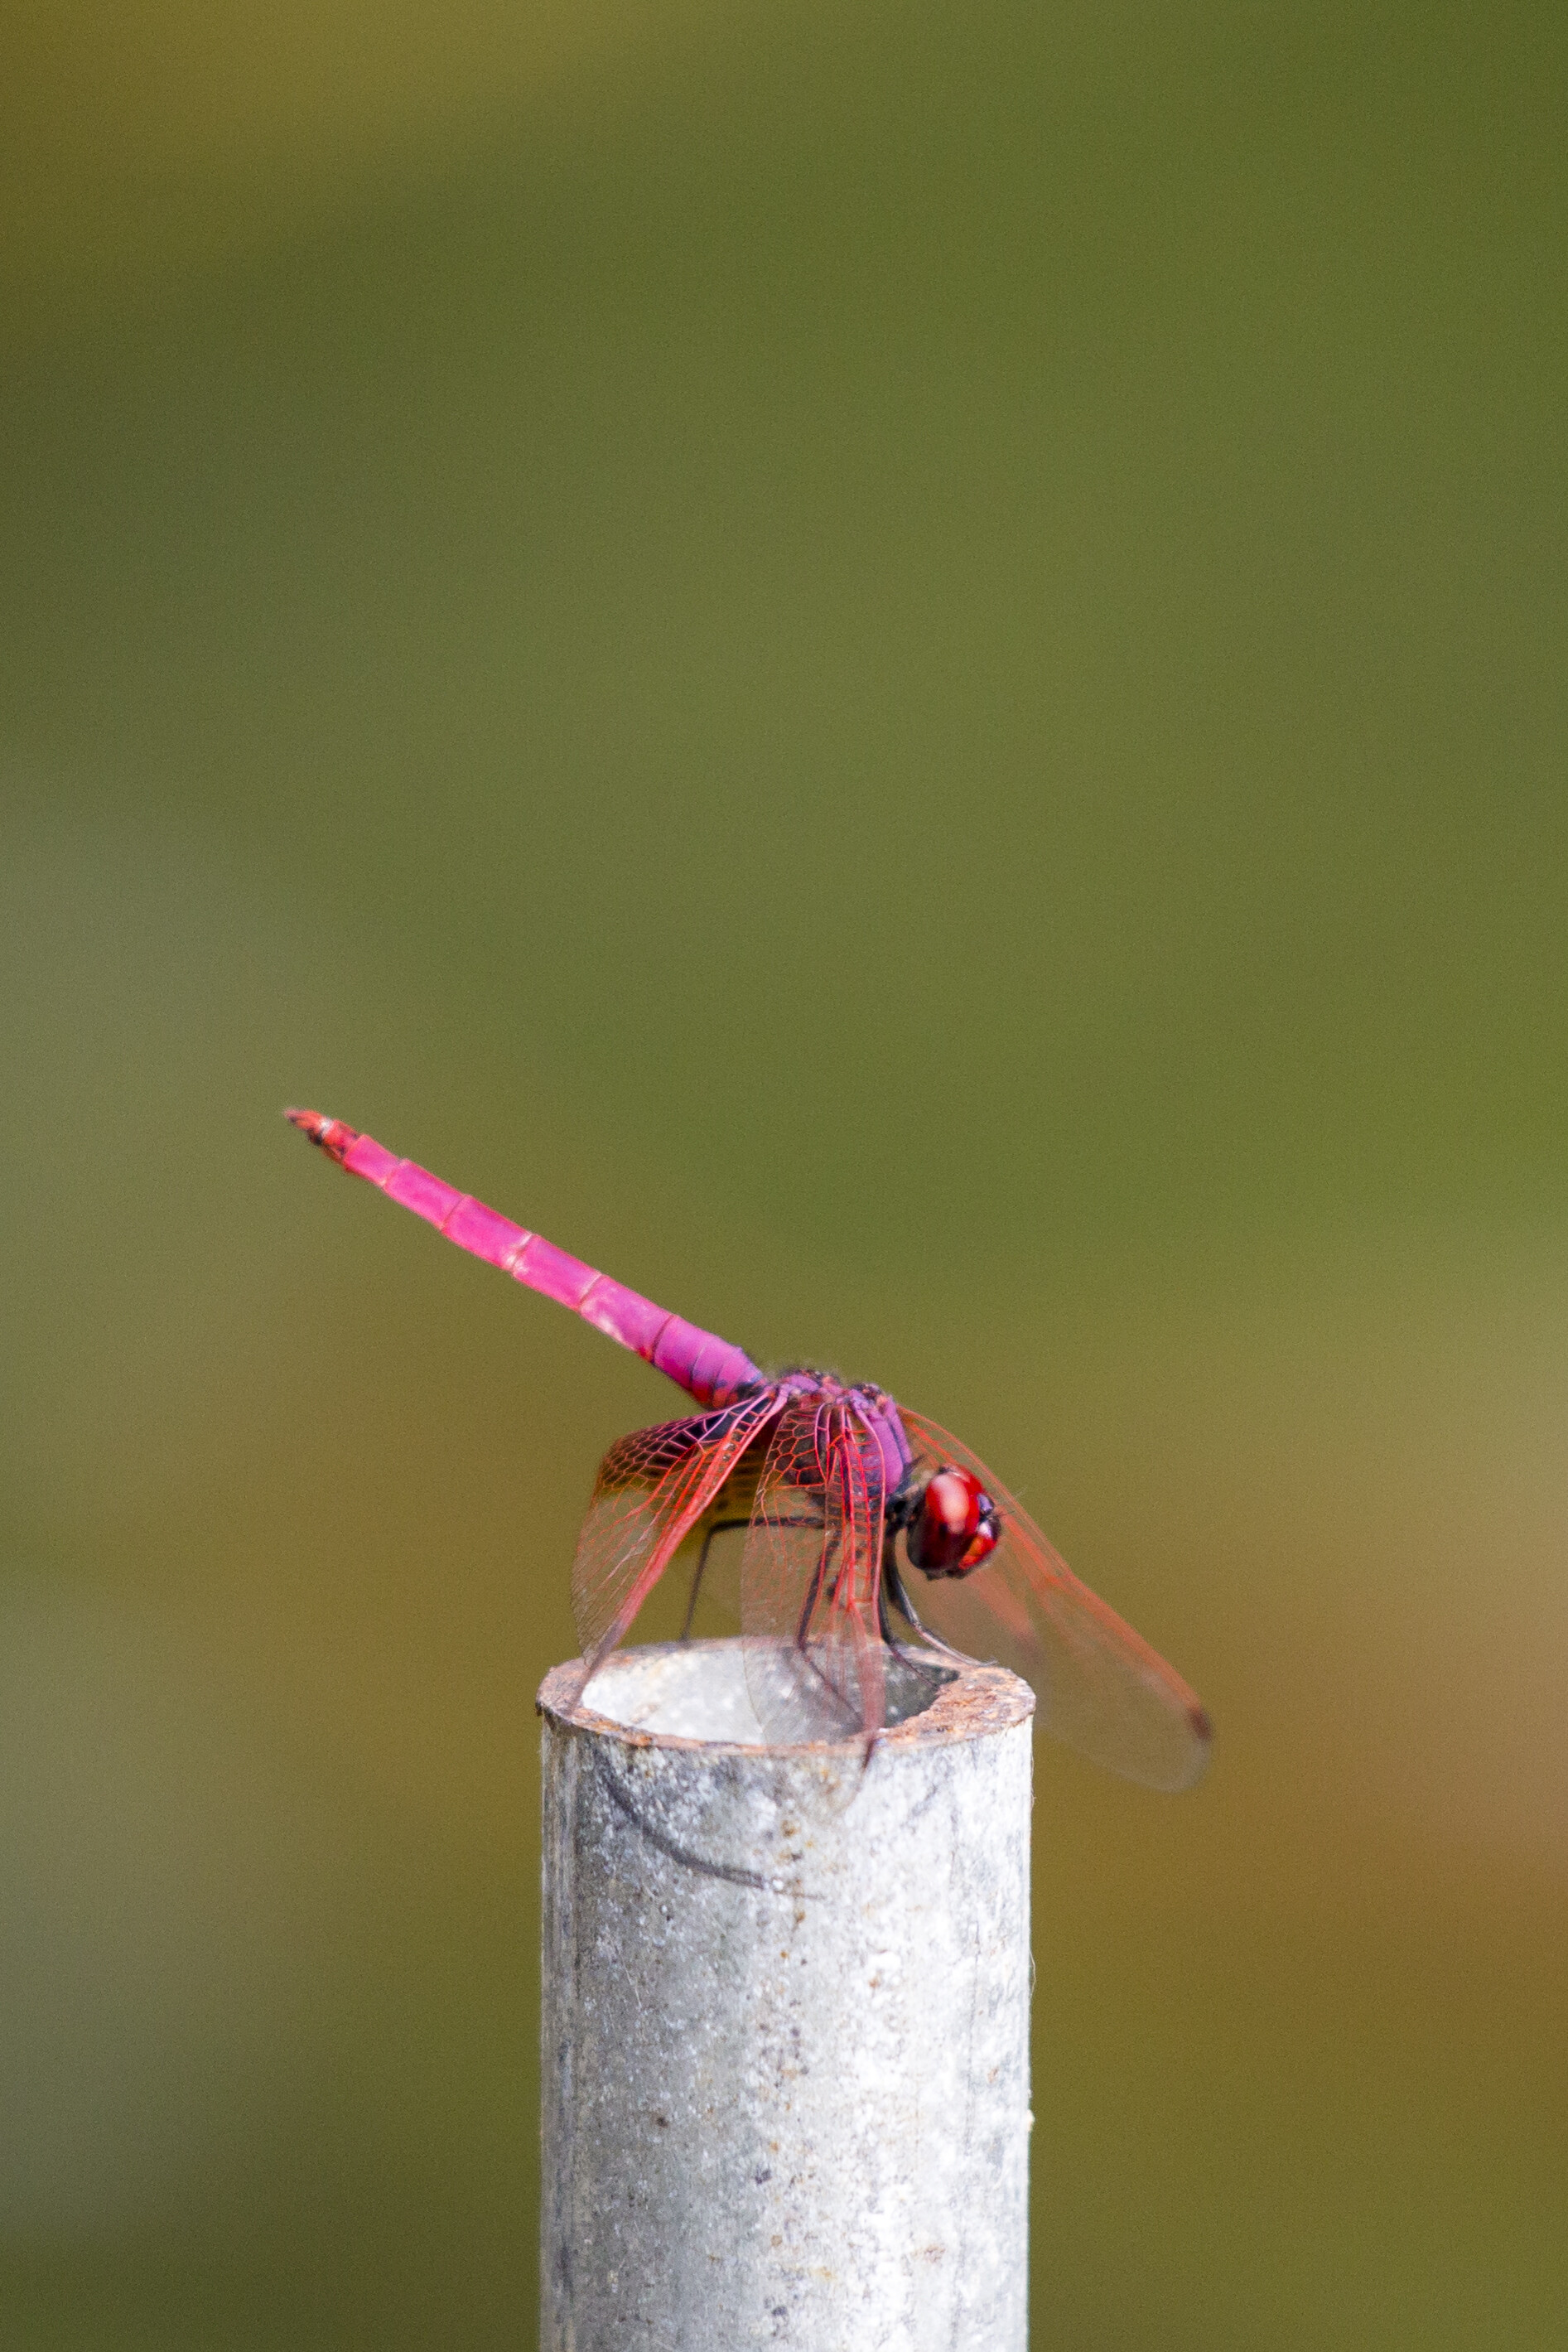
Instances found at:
x=785 y=2019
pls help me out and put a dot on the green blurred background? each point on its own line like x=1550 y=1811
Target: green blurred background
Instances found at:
x=901 y=671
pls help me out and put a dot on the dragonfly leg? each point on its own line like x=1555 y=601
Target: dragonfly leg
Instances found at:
x=722 y=1527
x=894 y=1590
x=814 y=1588
x=719 y=1527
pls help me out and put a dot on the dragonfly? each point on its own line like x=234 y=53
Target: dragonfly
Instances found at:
x=879 y=1555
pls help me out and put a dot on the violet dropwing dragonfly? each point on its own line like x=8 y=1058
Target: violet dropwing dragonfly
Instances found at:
x=876 y=1547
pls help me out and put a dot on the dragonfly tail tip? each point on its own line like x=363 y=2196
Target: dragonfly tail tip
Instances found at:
x=333 y=1137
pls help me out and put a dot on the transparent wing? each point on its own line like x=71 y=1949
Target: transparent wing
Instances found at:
x=652 y=1486
x=815 y=1664
x=1099 y=1686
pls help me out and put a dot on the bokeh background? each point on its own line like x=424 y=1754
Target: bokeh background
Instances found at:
x=901 y=670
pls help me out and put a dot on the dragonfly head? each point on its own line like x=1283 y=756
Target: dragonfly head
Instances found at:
x=951 y=1524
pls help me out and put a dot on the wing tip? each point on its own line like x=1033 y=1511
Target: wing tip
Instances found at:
x=1199 y=1749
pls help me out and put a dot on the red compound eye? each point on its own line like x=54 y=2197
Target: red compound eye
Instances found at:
x=956 y=1527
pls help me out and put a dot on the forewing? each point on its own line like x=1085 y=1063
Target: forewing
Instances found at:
x=1101 y=1687
x=652 y=1489
x=810 y=1571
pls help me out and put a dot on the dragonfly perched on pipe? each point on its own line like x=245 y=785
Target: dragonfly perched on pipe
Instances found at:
x=856 y=1513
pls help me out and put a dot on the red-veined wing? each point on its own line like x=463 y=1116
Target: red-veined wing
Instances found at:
x=808 y=1579
x=652 y=1489
x=1099 y=1686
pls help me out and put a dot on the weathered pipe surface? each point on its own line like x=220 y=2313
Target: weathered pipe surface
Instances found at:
x=786 y=2020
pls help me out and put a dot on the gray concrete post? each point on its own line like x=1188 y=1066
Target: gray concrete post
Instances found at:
x=786 y=2020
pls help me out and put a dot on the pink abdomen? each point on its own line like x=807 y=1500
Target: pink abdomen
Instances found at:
x=709 y=1368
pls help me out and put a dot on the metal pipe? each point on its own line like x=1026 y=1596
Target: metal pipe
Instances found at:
x=786 y=2019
